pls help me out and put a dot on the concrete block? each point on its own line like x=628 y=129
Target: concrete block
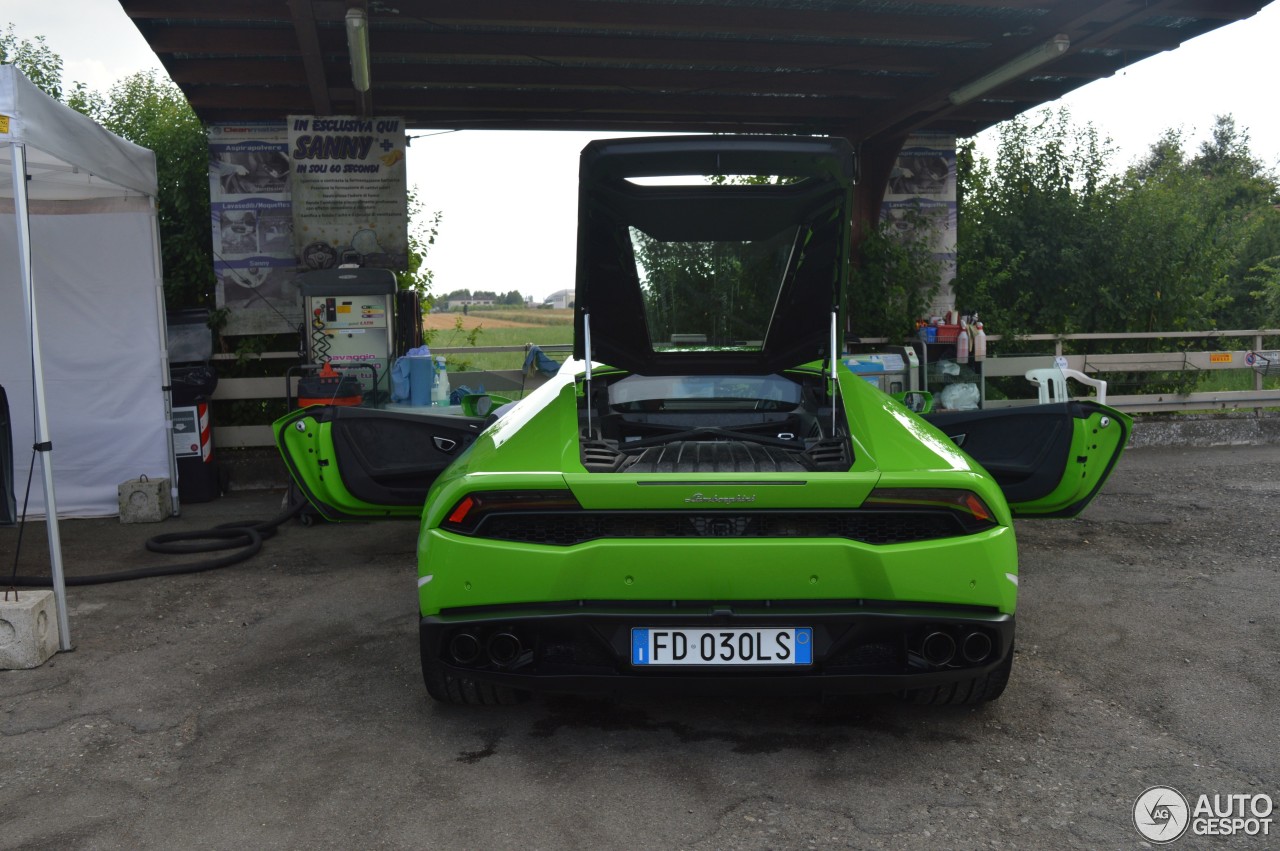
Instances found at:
x=28 y=629
x=144 y=500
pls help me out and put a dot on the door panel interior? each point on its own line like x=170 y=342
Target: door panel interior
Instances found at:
x=392 y=459
x=1050 y=460
x=385 y=462
x=1026 y=450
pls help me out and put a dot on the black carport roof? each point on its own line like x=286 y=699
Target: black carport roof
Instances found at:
x=866 y=69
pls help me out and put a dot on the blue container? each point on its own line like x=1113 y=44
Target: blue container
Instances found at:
x=422 y=375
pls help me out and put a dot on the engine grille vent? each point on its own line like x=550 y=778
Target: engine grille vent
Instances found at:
x=569 y=528
x=716 y=456
x=830 y=454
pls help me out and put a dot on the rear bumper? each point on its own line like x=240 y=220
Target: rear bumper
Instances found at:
x=585 y=648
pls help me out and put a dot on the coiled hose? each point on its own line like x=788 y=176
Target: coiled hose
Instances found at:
x=248 y=535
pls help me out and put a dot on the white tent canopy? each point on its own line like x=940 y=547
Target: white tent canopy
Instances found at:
x=82 y=336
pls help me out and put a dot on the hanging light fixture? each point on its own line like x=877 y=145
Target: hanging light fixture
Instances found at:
x=1032 y=59
x=358 y=48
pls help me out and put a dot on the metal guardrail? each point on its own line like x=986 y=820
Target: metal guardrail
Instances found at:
x=230 y=389
x=1207 y=359
x=1101 y=365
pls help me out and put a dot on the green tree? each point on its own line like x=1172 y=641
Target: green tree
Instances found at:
x=422 y=236
x=1033 y=226
x=1248 y=196
x=1051 y=242
x=149 y=110
x=1257 y=267
x=893 y=279
x=1172 y=244
x=1265 y=279
x=1220 y=204
x=34 y=58
x=722 y=290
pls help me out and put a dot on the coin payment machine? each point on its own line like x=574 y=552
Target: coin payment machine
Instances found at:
x=350 y=320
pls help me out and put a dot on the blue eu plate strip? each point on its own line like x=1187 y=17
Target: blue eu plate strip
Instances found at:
x=804 y=646
x=640 y=647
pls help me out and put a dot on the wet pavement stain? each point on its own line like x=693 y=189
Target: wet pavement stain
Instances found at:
x=897 y=727
x=491 y=738
x=572 y=714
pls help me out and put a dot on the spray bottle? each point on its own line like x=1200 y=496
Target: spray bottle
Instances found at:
x=979 y=342
x=962 y=342
x=440 y=392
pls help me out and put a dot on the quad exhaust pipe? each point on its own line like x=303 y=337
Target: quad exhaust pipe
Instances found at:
x=464 y=648
x=975 y=648
x=938 y=648
x=503 y=648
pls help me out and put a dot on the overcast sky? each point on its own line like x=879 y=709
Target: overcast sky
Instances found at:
x=508 y=197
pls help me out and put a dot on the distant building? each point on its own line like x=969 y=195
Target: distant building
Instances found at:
x=459 y=303
x=559 y=300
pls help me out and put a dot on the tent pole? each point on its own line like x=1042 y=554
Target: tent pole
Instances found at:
x=43 y=445
x=167 y=378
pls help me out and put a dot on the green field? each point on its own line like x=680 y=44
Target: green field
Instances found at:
x=551 y=329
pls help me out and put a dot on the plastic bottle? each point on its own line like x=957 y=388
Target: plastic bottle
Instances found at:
x=979 y=342
x=962 y=343
x=440 y=392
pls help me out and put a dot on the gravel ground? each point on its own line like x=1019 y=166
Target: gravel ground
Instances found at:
x=278 y=704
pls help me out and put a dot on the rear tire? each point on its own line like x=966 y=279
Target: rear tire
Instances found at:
x=463 y=691
x=970 y=692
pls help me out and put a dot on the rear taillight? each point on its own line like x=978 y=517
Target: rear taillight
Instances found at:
x=469 y=512
x=969 y=508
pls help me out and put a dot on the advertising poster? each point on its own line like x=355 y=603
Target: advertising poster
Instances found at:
x=253 y=255
x=349 y=191
x=922 y=186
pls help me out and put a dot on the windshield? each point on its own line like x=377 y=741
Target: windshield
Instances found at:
x=710 y=295
x=678 y=276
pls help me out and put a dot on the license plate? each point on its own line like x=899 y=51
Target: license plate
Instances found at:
x=685 y=646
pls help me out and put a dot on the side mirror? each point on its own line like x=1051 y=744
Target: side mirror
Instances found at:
x=481 y=404
x=919 y=401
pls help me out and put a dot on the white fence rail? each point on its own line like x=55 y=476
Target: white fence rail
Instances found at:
x=1211 y=358
x=1213 y=355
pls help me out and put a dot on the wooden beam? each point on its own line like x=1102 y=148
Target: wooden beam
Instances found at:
x=304 y=26
x=691 y=19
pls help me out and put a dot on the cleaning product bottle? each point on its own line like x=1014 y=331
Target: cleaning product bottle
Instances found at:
x=962 y=342
x=440 y=392
x=979 y=342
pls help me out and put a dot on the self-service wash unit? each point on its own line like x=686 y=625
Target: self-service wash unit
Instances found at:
x=350 y=319
x=895 y=369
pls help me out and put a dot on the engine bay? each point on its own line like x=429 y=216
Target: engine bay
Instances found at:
x=712 y=424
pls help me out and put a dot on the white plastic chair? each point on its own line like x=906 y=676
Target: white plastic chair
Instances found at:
x=1052 y=384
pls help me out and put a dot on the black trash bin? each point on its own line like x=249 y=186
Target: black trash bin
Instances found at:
x=8 y=507
x=193 y=381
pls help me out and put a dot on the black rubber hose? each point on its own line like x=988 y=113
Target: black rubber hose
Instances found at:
x=247 y=534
